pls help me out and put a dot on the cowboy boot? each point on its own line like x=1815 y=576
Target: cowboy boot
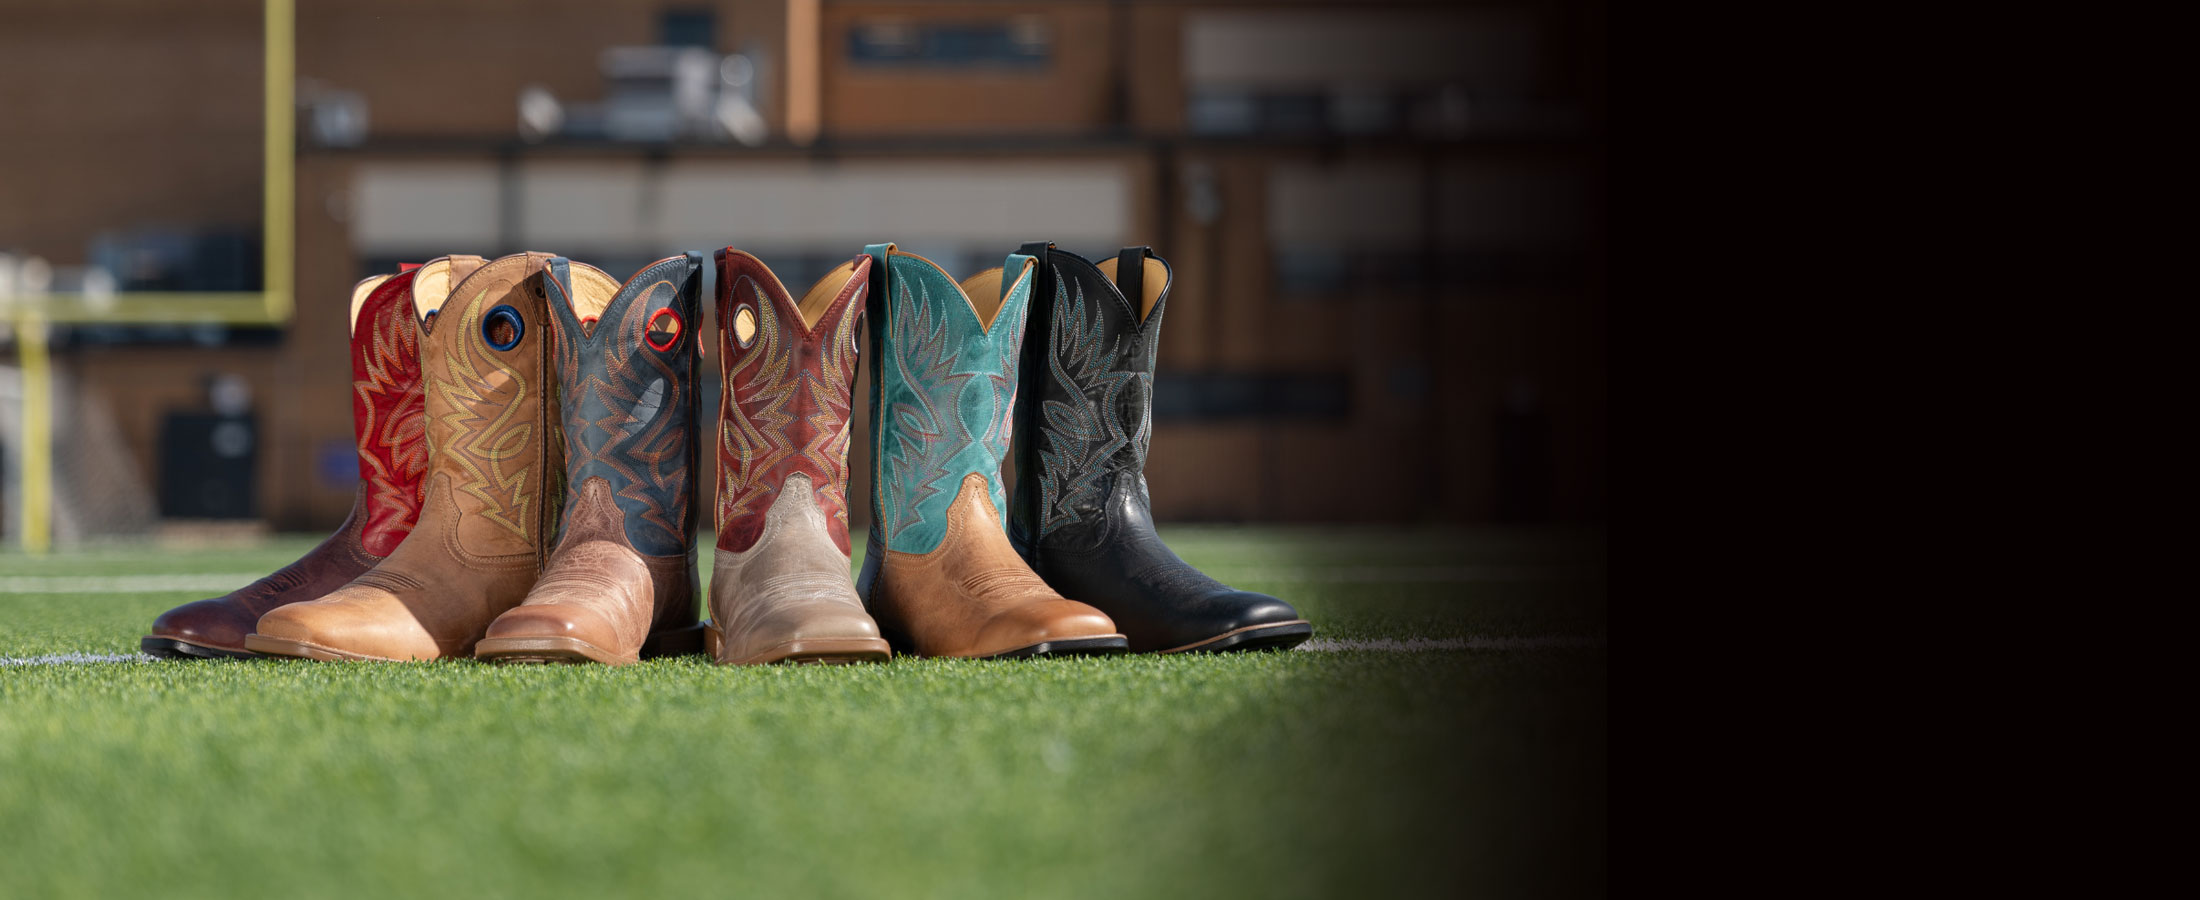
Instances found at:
x=1081 y=516
x=491 y=457
x=940 y=574
x=620 y=584
x=781 y=591
x=386 y=421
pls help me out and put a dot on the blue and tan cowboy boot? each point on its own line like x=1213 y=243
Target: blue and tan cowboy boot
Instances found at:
x=1081 y=516
x=940 y=575
x=620 y=583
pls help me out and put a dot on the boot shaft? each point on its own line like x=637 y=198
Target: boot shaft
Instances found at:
x=625 y=358
x=944 y=388
x=788 y=370
x=387 y=405
x=487 y=403
x=1086 y=395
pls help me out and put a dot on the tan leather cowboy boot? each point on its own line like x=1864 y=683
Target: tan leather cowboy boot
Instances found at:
x=393 y=459
x=491 y=457
x=781 y=590
x=940 y=574
x=620 y=584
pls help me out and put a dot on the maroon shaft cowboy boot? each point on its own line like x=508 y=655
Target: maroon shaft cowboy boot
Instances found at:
x=386 y=409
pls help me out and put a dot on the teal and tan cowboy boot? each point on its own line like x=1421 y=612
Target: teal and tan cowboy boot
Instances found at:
x=940 y=575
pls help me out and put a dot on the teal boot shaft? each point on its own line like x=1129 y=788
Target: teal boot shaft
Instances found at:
x=943 y=391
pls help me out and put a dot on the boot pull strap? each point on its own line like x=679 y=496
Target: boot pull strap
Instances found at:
x=1012 y=271
x=1130 y=274
x=1042 y=284
x=557 y=287
x=702 y=278
x=879 y=269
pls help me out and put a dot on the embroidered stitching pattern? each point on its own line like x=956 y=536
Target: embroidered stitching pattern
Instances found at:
x=832 y=425
x=922 y=439
x=786 y=411
x=648 y=455
x=754 y=440
x=485 y=409
x=393 y=446
x=1082 y=435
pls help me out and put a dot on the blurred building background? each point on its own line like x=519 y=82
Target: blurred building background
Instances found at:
x=1385 y=219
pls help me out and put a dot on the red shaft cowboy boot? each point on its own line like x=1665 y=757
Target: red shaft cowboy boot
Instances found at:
x=780 y=590
x=493 y=461
x=386 y=409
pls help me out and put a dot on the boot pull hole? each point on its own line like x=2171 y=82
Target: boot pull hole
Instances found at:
x=664 y=329
x=503 y=327
x=744 y=327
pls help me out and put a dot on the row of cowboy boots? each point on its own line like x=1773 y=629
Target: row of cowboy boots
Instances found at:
x=480 y=529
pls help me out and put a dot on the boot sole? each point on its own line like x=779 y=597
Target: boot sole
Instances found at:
x=812 y=651
x=544 y=650
x=267 y=646
x=1095 y=646
x=172 y=648
x=1274 y=636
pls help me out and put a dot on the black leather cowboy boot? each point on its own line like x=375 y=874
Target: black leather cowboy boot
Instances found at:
x=1083 y=419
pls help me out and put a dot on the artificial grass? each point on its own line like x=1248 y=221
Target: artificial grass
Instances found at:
x=1286 y=774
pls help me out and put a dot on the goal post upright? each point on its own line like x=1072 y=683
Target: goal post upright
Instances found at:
x=271 y=306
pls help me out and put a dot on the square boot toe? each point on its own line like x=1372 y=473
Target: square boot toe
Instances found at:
x=810 y=621
x=557 y=620
x=355 y=622
x=1040 y=621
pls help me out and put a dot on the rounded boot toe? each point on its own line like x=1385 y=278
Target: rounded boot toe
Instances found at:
x=1246 y=609
x=206 y=623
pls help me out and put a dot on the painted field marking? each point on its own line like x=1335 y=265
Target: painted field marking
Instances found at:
x=74 y=659
x=1427 y=645
x=218 y=583
x=1398 y=574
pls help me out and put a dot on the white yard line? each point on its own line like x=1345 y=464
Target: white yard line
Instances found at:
x=73 y=659
x=1319 y=645
x=217 y=583
x=1397 y=574
x=1426 y=645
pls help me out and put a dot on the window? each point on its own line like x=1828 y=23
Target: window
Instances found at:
x=1021 y=42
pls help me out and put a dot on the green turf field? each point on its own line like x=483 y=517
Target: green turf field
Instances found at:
x=1337 y=772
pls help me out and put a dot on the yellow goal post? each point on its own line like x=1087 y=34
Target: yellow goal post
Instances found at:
x=33 y=315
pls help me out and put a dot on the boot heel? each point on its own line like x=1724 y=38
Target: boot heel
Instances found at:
x=687 y=641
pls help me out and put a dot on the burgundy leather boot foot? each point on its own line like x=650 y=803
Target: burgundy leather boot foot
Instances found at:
x=386 y=409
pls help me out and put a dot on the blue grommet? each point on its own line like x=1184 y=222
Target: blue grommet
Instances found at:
x=503 y=314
